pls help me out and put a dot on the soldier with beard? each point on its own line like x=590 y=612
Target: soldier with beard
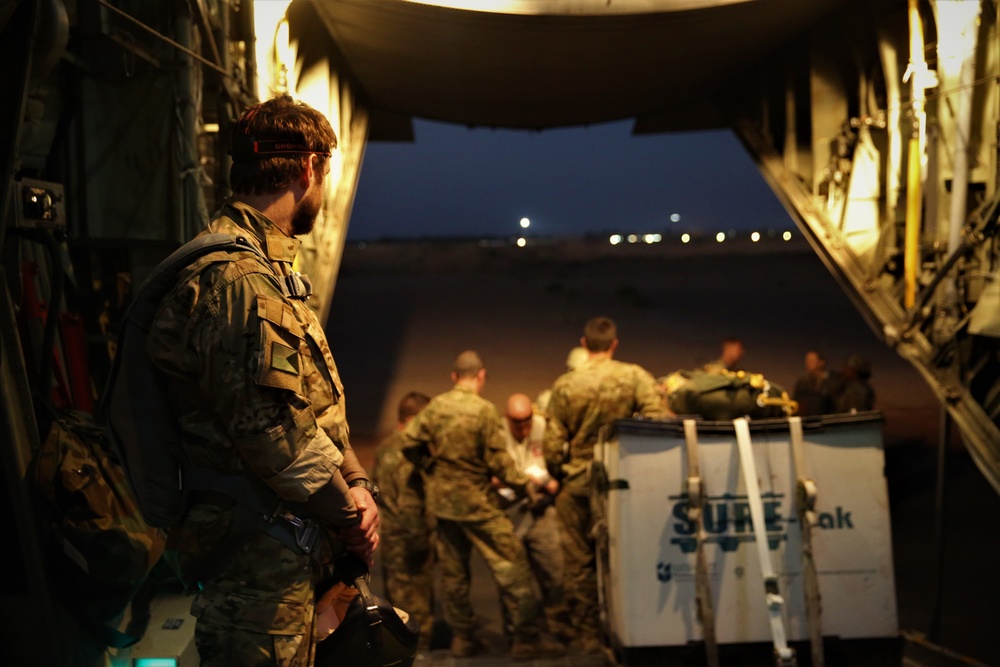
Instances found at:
x=260 y=407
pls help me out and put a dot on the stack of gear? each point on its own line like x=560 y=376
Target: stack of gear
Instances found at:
x=726 y=395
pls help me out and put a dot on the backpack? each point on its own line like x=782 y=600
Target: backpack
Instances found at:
x=145 y=435
x=136 y=407
x=103 y=550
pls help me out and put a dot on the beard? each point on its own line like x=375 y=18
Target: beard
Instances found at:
x=305 y=212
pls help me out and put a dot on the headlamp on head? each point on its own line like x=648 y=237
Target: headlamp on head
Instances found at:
x=248 y=148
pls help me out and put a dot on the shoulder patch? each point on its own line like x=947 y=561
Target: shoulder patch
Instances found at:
x=281 y=337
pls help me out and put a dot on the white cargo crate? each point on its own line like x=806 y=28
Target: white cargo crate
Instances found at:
x=646 y=566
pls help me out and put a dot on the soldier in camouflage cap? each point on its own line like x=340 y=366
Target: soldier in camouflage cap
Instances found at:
x=584 y=400
x=458 y=440
x=258 y=397
x=406 y=529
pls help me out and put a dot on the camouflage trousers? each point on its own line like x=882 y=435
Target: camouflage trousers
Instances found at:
x=504 y=554
x=224 y=646
x=543 y=545
x=579 y=561
x=408 y=573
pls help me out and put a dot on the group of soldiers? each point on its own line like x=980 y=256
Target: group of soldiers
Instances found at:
x=456 y=475
x=819 y=391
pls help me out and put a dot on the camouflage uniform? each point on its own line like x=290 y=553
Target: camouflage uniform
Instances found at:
x=406 y=536
x=255 y=388
x=458 y=437
x=537 y=524
x=583 y=401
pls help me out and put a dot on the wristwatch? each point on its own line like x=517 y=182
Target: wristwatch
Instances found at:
x=368 y=485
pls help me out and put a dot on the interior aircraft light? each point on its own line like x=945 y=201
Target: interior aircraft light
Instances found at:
x=615 y=239
x=720 y=237
x=155 y=662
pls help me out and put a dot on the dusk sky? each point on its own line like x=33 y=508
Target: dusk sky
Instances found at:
x=455 y=181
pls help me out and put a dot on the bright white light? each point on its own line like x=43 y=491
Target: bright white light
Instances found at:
x=269 y=19
x=521 y=242
x=755 y=237
x=675 y=217
x=525 y=223
x=648 y=238
x=632 y=238
x=720 y=237
x=615 y=239
x=685 y=237
x=787 y=236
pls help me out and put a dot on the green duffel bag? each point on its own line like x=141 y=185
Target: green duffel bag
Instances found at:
x=724 y=396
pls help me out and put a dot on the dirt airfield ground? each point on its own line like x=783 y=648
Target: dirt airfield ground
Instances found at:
x=402 y=311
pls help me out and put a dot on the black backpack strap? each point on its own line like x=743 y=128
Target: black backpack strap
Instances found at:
x=373 y=615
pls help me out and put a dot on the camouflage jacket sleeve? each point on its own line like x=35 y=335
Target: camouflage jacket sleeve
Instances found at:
x=233 y=356
x=649 y=396
x=555 y=444
x=415 y=442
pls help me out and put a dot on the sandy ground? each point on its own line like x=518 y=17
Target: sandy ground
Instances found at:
x=402 y=312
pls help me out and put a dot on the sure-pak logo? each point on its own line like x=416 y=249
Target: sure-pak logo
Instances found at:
x=728 y=523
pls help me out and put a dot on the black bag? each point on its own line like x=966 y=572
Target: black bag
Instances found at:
x=371 y=634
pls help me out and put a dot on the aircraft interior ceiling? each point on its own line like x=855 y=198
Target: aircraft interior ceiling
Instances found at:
x=536 y=70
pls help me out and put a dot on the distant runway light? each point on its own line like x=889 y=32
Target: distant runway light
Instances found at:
x=755 y=237
x=720 y=237
x=675 y=217
x=521 y=242
x=615 y=239
x=787 y=236
x=648 y=238
x=525 y=223
x=632 y=238
x=685 y=237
